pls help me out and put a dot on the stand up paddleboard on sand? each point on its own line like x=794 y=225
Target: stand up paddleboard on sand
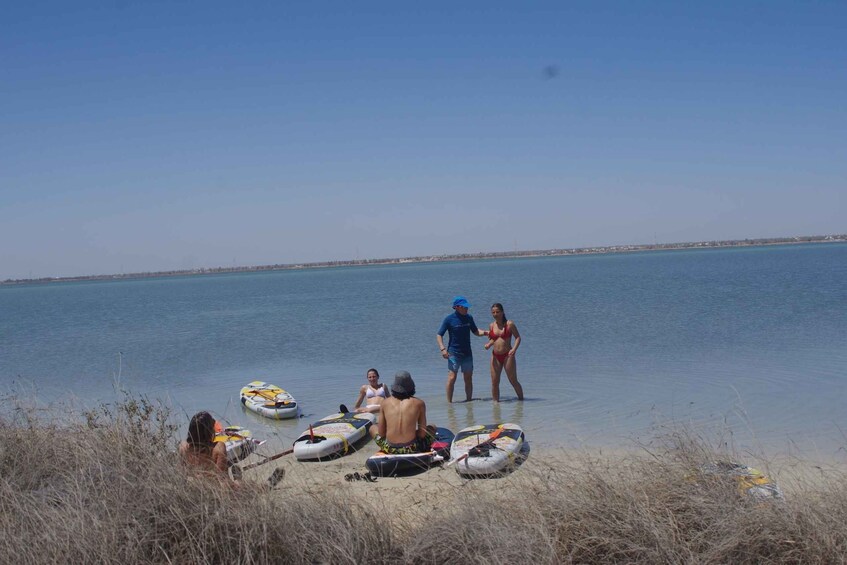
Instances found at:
x=489 y=449
x=269 y=401
x=333 y=435
x=749 y=481
x=239 y=442
x=383 y=464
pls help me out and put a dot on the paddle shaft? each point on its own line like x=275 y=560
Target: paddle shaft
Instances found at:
x=494 y=435
x=271 y=458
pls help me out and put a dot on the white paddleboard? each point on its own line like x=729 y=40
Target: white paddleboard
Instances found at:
x=333 y=435
x=269 y=401
x=474 y=452
x=239 y=442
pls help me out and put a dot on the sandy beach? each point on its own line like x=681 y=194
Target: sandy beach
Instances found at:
x=410 y=497
x=407 y=495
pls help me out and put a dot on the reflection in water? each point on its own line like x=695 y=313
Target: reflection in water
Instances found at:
x=517 y=415
x=460 y=415
x=452 y=423
x=508 y=411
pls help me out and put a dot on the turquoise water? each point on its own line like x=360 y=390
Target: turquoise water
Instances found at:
x=745 y=340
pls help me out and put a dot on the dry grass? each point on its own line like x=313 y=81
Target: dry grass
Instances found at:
x=108 y=489
x=640 y=508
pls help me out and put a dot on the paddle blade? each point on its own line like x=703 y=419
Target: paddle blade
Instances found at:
x=492 y=436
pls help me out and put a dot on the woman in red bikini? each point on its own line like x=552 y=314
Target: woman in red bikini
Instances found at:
x=500 y=334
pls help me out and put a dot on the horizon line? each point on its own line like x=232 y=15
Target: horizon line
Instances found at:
x=831 y=238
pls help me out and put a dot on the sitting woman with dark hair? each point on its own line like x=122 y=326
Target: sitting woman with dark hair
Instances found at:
x=202 y=453
x=373 y=394
x=199 y=449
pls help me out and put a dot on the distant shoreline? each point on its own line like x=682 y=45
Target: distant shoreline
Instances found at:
x=839 y=238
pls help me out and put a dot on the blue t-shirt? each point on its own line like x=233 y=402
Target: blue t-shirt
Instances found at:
x=460 y=328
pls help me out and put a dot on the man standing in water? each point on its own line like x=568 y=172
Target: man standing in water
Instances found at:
x=458 y=353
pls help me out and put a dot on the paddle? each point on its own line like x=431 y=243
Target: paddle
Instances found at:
x=271 y=396
x=237 y=471
x=494 y=435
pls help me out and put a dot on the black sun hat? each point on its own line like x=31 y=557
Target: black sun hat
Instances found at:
x=403 y=383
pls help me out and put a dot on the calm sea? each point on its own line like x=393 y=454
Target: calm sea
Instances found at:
x=746 y=341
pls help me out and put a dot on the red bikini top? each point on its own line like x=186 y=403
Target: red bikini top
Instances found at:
x=507 y=334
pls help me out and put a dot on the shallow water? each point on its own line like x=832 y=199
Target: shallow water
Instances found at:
x=746 y=341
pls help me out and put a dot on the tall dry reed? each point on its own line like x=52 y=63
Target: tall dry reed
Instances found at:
x=644 y=507
x=104 y=486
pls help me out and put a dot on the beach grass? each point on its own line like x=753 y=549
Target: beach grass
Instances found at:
x=105 y=486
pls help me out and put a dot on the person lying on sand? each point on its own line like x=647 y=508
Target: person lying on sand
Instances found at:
x=402 y=427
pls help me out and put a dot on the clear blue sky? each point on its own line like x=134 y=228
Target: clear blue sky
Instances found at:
x=152 y=136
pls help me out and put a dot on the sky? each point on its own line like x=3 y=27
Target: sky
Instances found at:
x=152 y=136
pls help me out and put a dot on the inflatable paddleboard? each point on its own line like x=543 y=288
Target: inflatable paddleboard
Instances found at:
x=333 y=435
x=239 y=442
x=269 y=401
x=749 y=481
x=486 y=449
x=384 y=464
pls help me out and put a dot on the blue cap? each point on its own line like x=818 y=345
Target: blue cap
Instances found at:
x=461 y=301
